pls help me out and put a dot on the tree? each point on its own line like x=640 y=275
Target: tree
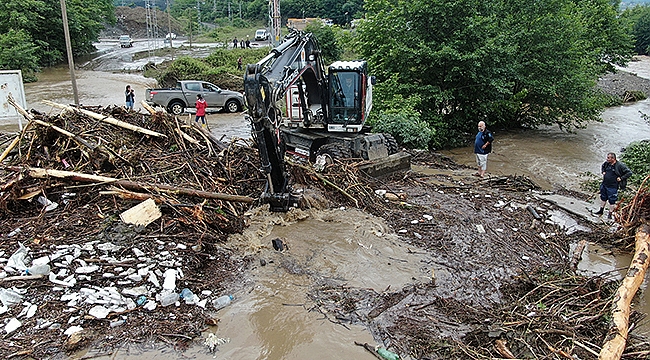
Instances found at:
x=41 y=21
x=638 y=18
x=326 y=40
x=513 y=63
x=17 y=51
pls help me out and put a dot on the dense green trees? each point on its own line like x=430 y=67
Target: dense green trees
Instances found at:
x=511 y=63
x=639 y=20
x=32 y=31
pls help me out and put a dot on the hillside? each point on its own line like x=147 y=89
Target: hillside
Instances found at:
x=133 y=21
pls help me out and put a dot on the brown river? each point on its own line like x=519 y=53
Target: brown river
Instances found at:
x=269 y=317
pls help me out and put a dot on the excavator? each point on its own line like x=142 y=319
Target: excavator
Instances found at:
x=295 y=106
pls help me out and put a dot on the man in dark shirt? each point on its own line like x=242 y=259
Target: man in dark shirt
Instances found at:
x=615 y=175
x=482 y=147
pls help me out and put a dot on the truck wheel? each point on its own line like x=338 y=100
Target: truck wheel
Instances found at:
x=176 y=108
x=334 y=151
x=391 y=144
x=232 y=106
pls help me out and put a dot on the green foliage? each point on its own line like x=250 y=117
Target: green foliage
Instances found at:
x=400 y=118
x=17 y=51
x=407 y=129
x=42 y=23
x=513 y=63
x=326 y=40
x=638 y=18
x=219 y=68
x=637 y=157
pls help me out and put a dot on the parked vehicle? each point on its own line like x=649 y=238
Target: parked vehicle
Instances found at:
x=183 y=96
x=262 y=35
x=126 y=41
x=170 y=35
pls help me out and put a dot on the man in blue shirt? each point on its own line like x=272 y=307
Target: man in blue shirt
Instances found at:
x=615 y=175
x=482 y=147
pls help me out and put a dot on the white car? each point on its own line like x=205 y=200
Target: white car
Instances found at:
x=170 y=35
x=126 y=41
x=261 y=35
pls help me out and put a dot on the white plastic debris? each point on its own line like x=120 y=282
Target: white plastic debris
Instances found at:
x=212 y=341
x=427 y=217
x=49 y=205
x=14 y=233
x=73 y=329
x=480 y=229
x=10 y=297
x=12 y=325
x=170 y=279
x=414 y=222
x=99 y=312
x=86 y=269
x=17 y=260
x=380 y=192
x=150 y=305
x=137 y=252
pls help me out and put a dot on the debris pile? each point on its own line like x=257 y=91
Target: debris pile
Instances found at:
x=113 y=225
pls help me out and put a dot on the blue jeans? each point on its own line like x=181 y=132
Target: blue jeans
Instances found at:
x=129 y=105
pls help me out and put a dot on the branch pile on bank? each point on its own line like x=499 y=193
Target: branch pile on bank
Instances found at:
x=636 y=211
x=84 y=260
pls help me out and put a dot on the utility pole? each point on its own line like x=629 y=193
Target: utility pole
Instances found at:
x=274 y=17
x=169 y=28
x=68 y=47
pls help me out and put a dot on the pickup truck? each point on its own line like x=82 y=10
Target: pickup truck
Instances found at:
x=183 y=96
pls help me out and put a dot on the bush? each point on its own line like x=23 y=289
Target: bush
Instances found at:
x=407 y=129
x=637 y=157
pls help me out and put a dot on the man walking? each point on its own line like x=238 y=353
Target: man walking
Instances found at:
x=615 y=175
x=482 y=147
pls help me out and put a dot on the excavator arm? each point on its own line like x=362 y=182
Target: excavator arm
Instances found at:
x=296 y=60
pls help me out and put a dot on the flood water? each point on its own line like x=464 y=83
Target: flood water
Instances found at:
x=270 y=318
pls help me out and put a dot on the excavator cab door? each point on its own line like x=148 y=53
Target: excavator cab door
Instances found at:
x=345 y=97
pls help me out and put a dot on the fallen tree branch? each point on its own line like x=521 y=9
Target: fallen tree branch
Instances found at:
x=616 y=338
x=106 y=119
x=75 y=176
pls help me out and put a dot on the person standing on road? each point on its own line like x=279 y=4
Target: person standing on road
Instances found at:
x=130 y=97
x=615 y=175
x=482 y=147
x=248 y=42
x=201 y=104
x=234 y=43
x=239 y=62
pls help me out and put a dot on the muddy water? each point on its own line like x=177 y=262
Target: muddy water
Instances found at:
x=270 y=317
x=555 y=158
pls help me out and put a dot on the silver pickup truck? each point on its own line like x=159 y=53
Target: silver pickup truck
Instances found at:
x=183 y=96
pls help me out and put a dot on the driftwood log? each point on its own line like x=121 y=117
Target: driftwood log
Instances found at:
x=88 y=178
x=617 y=336
x=106 y=119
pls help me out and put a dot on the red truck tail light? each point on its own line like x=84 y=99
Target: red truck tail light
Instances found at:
x=152 y=93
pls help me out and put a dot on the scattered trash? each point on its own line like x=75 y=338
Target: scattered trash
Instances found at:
x=222 y=301
x=12 y=325
x=480 y=229
x=10 y=297
x=168 y=298
x=99 y=312
x=385 y=354
x=49 y=205
x=278 y=245
x=534 y=212
x=73 y=329
x=212 y=341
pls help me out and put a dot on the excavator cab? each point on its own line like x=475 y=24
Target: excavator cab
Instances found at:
x=349 y=93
